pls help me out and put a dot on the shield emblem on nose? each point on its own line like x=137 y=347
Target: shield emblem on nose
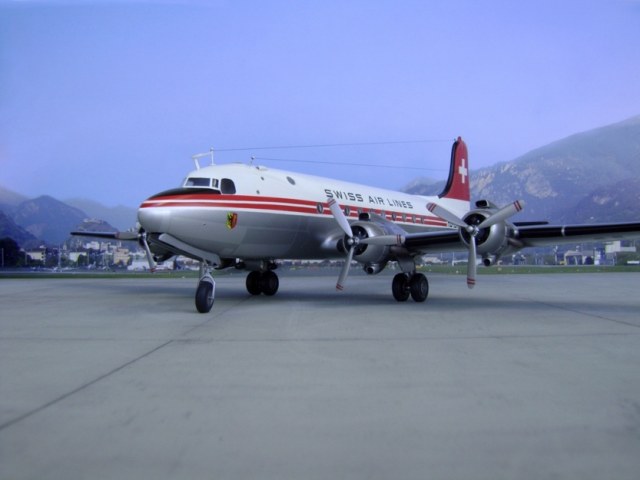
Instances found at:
x=232 y=220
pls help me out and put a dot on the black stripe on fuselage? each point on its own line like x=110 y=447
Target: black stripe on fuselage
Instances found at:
x=185 y=191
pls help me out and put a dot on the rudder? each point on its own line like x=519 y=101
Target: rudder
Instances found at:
x=457 y=187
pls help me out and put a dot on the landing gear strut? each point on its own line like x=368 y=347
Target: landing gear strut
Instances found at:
x=414 y=285
x=262 y=282
x=206 y=291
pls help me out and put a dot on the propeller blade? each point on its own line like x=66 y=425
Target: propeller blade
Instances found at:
x=127 y=235
x=113 y=235
x=471 y=265
x=345 y=270
x=340 y=217
x=446 y=215
x=384 y=240
x=145 y=244
x=502 y=214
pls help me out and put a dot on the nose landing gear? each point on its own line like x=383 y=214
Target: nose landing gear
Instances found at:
x=206 y=291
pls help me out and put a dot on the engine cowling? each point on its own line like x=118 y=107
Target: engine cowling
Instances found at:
x=485 y=231
x=491 y=242
x=374 y=257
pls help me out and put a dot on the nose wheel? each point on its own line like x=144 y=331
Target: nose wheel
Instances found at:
x=206 y=291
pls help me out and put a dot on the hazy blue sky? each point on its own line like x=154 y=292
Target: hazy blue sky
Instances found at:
x=109 y=99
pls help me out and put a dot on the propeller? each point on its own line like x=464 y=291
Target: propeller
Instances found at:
x=353 y=241
x=140 y=236
x=145 y=244
x=473 y=230
x=350 y=243
x=127 y=235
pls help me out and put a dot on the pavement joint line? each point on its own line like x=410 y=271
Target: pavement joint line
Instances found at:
x=64 y=396
x=400 y=339
x=182 y=340
x=34 y=411
x=592 y=315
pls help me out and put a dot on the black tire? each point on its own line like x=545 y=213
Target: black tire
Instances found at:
x=269 y=283
x=254 y=286
x=400 y=287
x=419 y=287
x=204 y=297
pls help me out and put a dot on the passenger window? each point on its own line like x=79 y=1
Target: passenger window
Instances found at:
x=228 y=187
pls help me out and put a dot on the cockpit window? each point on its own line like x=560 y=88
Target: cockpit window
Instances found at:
x=197 y=182
x=227 y=186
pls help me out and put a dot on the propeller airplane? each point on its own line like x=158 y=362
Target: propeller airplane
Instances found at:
x=250 y=217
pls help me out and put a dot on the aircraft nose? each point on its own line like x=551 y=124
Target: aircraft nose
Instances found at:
x=154 y=218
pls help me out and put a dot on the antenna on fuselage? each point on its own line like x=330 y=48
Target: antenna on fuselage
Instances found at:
x=198 y=156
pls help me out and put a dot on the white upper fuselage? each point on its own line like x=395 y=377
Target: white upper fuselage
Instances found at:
x=253 y=212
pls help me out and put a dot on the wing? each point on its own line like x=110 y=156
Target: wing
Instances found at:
x=537 y=236
x=523 y=235
x=434 y=242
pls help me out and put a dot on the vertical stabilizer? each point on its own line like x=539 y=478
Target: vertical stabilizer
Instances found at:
x=457 y=187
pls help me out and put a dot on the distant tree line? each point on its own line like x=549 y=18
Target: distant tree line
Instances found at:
x=10 y=253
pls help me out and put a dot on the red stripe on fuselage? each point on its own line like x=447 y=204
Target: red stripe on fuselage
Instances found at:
x=286 y=205
x=233 y=198
x=227 y=205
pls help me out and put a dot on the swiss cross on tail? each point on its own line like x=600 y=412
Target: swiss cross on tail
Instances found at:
x=458 y=183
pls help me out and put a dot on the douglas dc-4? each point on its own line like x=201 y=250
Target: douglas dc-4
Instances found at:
x=250 y=217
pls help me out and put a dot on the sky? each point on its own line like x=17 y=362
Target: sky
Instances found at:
x=108 y=100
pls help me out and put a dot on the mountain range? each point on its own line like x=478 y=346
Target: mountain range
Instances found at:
x=45 y=220
x=589 y=177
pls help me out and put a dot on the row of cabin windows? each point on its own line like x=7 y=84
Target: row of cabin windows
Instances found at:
x=405 y=217
x=225 y=186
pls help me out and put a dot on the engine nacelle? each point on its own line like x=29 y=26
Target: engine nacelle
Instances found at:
x=491 y=242
x=374 y=257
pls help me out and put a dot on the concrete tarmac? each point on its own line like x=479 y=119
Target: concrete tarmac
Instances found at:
x=526 y=376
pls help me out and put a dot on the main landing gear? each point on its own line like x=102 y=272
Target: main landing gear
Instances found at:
x=414 y=285
x=262 y=282
x=404 y=285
